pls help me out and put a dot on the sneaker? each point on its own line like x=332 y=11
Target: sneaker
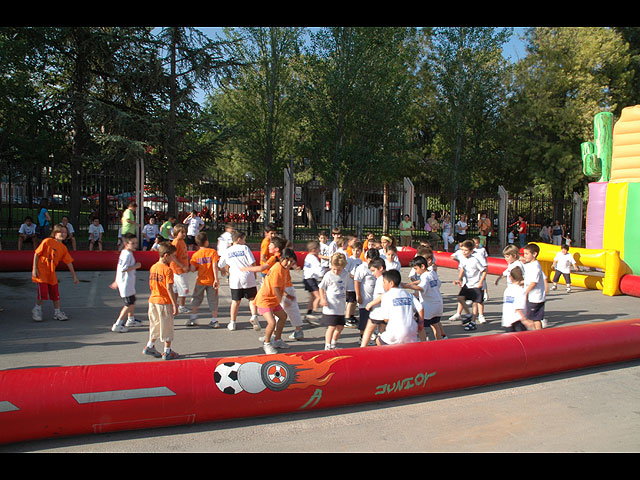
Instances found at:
x=170 y=355
x=568 y=289
x=60 y=316
x=481 y=319
x=133 y=322
x=214 y=324
x=553 y=287
x=296 y=335
x=231 y=326
x=119 y=328
x=466 y=318
x=36 y=314
x=455 y=316
x=351 y=322
x=191 y=322
x=470 y=326
x=151 y=351
x=254 y=321
x=279 y=343
x=329 y=347
x=182 y=309
x=269 y=349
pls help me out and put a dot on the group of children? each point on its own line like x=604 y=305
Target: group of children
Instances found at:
x=340 y=276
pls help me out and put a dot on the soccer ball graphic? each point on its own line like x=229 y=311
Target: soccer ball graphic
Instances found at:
x=226 y=377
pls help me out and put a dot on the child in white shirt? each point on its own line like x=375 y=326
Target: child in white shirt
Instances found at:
x=512 y=256
x=562 y=263
x=125 y=283
x=471 y=277
x=311 y=277
x=364 y=283
x=514 y=303
x=377 y=266
x=333 y=295
x=397 y=307
x=353 y=262
x=95 y=234
x=534 y=284
x=428 y=287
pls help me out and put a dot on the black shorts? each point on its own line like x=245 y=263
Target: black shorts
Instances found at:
x=431 y=321
x=240 y=293
x=310 y=284
x=128 y=301
x=363 y=318
x=476 y=295
x=332 y=320
x=190 y=240
x=534 y=311
x=516 y=327
x=351 y=297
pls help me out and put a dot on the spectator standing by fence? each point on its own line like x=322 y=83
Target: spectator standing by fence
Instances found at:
x=406 y=231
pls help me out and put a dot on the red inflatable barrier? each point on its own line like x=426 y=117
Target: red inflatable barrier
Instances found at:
x=62 y=401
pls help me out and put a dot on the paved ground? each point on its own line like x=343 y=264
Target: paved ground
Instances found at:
x=592 y=410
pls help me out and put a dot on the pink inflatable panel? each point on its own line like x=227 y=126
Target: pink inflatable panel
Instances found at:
x=595 y=214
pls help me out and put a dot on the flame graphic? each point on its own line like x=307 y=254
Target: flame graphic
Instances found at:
x=308 y=371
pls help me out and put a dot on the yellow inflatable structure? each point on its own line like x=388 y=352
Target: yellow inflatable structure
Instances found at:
x=607 y=260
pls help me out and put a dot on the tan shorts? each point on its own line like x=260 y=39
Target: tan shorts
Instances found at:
x=161 y=322
x=198 y=296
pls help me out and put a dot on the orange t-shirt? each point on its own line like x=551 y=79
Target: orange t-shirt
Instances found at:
x=276 y=278
x=264 y=251
x=50 y=253
x=182 y=255
x=205 y=260
x=160 y=283
x=287 y=273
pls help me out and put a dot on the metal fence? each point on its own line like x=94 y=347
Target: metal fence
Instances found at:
x=221 y=200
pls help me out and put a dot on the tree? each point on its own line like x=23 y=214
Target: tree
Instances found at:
x=569 y=75
x=463 y=93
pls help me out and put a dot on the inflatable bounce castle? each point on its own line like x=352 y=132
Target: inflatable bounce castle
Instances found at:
x=612 y=223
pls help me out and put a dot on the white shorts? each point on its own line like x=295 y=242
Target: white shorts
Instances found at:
x=180 y=285
x=291 y=307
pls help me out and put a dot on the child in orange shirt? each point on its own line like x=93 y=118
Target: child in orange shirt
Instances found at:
x=46 y=258
x=205 y=262
x=270 y=297
x=269 y=232
x=180 y=266
x=162 y=303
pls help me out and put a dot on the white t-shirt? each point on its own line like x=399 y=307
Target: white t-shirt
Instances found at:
x=70 y=228
x=564 y=262
x=513 y=299
x=392 y=264
x=151 y=231
x=430 y=296
x=461 y=227
x=335 y=288
x=237 y=256
x=378 y=289
x=533 y=274
x=473 y=269
x=95 y=231
x=325 y=251
x=511 y=266
x=311 y=268
x=27 y=229
x=367 y=283
x=126 y=281
x=224 y=241
x=194 y=226
x=398 y=307
x=352 y=265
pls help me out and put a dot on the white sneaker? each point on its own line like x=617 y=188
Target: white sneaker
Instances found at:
x=553 y=287
x=296 y=335
x=119 y=328
x=254 y=321
x=182 y=309
x=214 y=323
x=568 y=289
x=269 y=349
x=60 y=316
x=455 y=316
x=191 y=322
x=36 y=314
x=481 y=319
x=133 y=322
x=231 y=326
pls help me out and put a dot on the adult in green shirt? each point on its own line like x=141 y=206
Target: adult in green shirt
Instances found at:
x=129 y=219
x=406 y=227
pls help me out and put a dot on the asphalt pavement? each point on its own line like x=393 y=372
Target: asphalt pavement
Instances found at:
x=596 y=409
